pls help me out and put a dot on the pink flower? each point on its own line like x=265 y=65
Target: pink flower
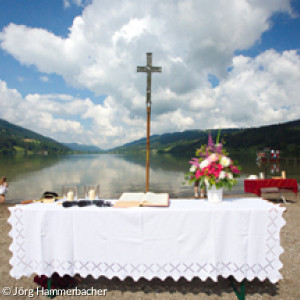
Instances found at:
x=210 y=142
x=194 y=162
x=220 y=167
x=234 y=169
x=199 y=173
x=213 y=157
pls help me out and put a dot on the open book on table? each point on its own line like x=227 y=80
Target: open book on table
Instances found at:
x=143 y=199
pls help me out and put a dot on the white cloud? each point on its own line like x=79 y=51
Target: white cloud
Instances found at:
x=44 y=78
x=189 y=39
x=68 y=3
x=64 y=117
x=20 y=79
x=34 y=112
x=203 y=35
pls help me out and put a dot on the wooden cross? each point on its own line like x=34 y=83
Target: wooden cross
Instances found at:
x=148 y=69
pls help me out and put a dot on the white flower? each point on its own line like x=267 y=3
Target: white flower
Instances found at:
x=213 y=157
x=222 y=175
x=193 y=168
x=229 y=175
x=204 y=164
x=225 y=161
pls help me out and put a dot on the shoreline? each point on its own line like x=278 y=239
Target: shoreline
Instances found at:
x=286 y=288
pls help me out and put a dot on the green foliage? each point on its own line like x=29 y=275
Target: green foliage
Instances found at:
x=218 y=137
x=15 y=138
x=284 y=137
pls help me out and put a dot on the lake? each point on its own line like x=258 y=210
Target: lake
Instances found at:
x=30 y=176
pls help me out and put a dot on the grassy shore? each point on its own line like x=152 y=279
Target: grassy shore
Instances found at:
x=286 y=289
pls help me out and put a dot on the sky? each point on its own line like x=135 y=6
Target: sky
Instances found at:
x=68 y=68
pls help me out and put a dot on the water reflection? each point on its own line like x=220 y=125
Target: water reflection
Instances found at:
x=29 y=177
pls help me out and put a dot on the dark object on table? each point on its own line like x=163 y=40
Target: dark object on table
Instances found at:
x=50 y=195
x=69 y=203
x=84 y=203
x=99 y=203
x=102 y=203
x=46 y=198
x=107 y=204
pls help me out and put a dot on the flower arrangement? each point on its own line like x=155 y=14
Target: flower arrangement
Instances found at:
x=213 y=167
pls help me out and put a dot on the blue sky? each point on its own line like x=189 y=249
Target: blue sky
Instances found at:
x=50 y=15
x=283 y=34
x=71 y=66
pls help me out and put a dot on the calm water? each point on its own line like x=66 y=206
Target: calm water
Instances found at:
x=29 y=177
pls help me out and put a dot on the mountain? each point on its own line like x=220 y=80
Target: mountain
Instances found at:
x=284 y=137
x=82 y=148
x=14 y=138
x=171 y=142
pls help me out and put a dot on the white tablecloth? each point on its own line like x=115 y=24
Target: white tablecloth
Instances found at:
x=191 y=238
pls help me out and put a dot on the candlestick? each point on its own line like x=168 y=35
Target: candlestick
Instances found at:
x=70 y=196
x=92 y=194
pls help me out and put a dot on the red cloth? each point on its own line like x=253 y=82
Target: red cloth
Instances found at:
x=254 y=185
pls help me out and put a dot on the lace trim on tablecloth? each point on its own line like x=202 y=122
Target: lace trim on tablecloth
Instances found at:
x=267 y=270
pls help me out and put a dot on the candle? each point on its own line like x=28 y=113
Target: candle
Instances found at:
x=92 y=194
x=283 y=174
x=70 y=196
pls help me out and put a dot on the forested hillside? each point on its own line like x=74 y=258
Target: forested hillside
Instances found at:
x=284 y=137
x=14 y=139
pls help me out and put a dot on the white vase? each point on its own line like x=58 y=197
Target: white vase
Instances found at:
x=214 y=195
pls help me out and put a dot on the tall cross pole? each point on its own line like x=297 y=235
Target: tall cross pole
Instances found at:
x=148 y=69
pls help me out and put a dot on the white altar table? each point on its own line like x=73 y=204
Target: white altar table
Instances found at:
x=191 y=238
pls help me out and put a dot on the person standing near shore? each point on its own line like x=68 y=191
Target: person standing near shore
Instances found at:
x=3 y=189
